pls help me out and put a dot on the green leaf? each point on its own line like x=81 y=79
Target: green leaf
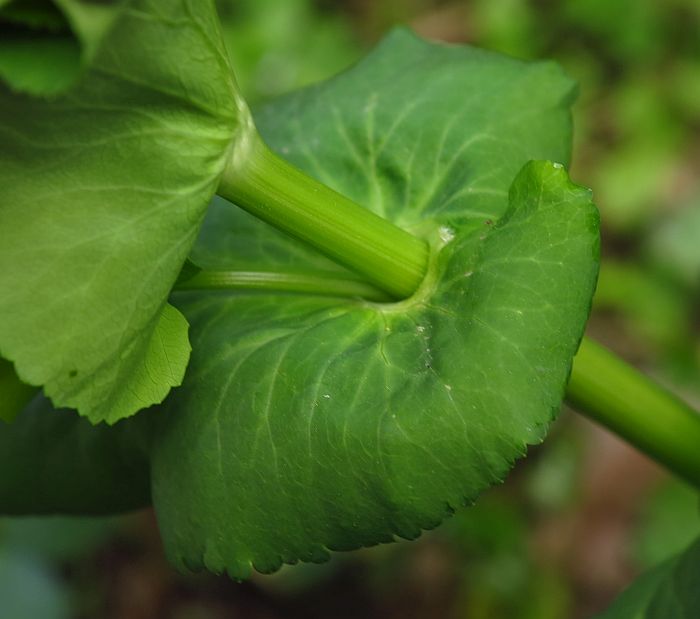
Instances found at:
x=45 y=45
x=308 y=423
x=102 y=192
x=14 y=394
x=668 y=522
x=57 y=538
x=53 y=461
x=669 y=590
x=429 y=400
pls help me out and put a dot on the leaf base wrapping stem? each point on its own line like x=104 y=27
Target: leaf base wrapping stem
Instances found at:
x=602 y=386
x=273 y=190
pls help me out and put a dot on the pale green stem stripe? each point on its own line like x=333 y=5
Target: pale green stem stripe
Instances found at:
x=273 y=190
x=613 y=393
x=300 y=283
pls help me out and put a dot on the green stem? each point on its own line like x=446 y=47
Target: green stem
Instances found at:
x=273 y=190
x=606 y=389
x=309 y=283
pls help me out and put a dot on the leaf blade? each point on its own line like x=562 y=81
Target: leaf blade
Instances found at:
x=54 y=461
x=102 y=191
x=668 y=590
x=335 y=425
x=289 y=473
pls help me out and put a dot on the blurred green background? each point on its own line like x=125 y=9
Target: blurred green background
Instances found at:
x=583 y=514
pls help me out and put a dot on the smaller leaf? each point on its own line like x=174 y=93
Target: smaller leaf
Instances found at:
x=669 y=591
x=103 y=188
x=14 y=394
x=44 y=45
x=34 y=14
x=159 y=365
x=53 y=461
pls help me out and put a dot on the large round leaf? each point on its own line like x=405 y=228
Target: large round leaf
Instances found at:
x=315 y=422
x=308 y=422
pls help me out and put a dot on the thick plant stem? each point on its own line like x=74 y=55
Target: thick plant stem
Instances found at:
x=273 y=190
x=609 y=391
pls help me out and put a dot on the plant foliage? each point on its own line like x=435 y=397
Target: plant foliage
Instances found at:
x=308 y=422
x=103 y=188
x=669 y=590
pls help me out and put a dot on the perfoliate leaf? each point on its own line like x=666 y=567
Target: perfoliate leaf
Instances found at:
x=670 y=590
x=102 y=191
x=309 y=423
x=314 y=422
